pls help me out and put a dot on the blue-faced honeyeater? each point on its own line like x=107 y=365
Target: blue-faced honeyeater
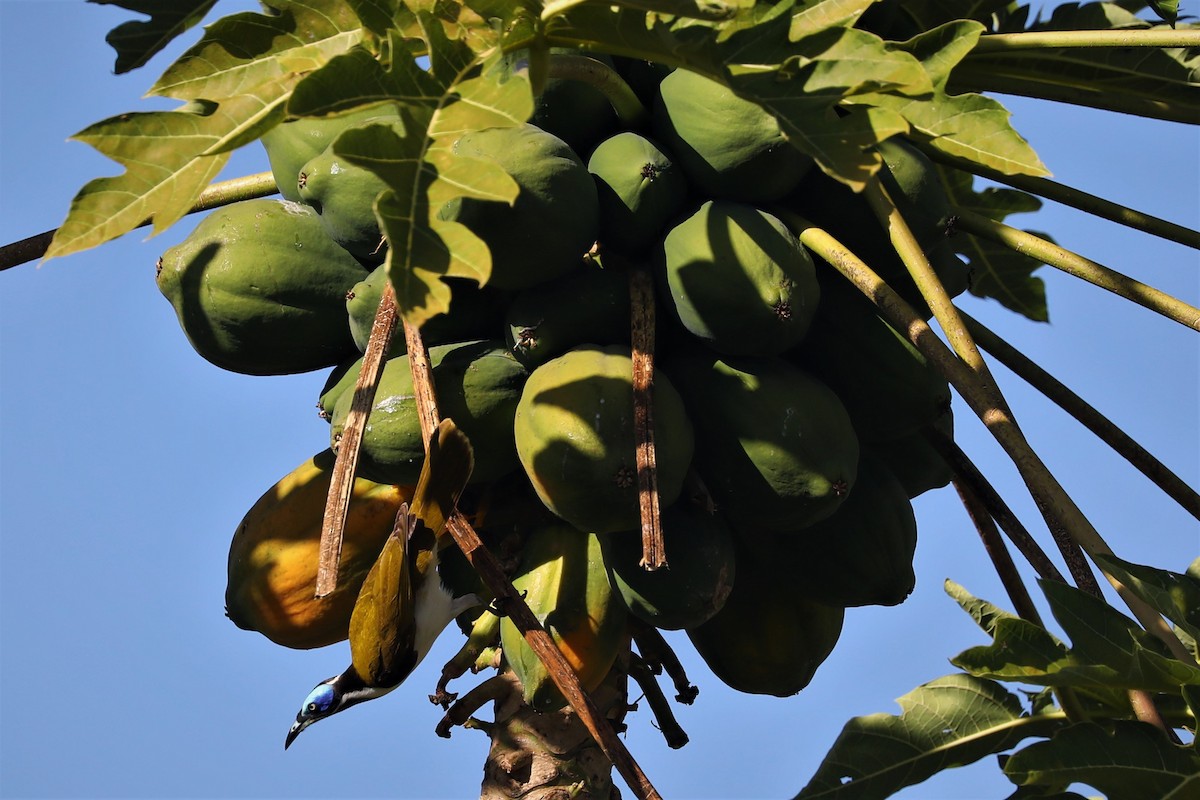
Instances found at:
x=403 y=605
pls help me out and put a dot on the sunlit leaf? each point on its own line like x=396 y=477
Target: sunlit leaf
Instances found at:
x=165 y=154
x=1108 y=650
x=242 y=51
x=997 y=272
x=970 y=126
x=949 y=722
x=818 y=15
x=136 y=42
x=1167 y=10
x=1175 y=596
x=1124 y=759
x=416 y=160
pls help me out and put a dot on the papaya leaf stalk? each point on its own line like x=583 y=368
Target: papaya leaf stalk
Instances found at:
x=1075 y=198
x=1093 y=420
x=1063 y=517
x=1073 y=264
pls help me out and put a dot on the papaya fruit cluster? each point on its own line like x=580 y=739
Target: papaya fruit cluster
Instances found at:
x=788 y=417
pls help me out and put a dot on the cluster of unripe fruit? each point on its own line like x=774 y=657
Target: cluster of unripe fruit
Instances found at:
x=789 y=419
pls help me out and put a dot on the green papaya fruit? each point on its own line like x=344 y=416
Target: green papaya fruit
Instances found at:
x=573 y=110
x=738 y=279
x=700 y=573
x=552 y=224
x=774 y=445
x=290 y=145
x=883 y=380
x=914 y=461
x=478 y=385
x=474 y=312
x=639 y=190
x=340 y=379
x=589 y=306
x=575 y=438
x=562 y=578
x=863 y=553
x=768 y=638
x=847 y=217
x=259 y=288
x=344 y=195
x=728 y=147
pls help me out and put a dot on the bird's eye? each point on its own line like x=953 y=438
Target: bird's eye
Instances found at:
x=312 y=708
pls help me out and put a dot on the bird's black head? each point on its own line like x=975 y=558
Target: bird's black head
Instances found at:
x=328 y=698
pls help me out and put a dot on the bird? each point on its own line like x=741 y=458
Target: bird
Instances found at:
x=403 y=605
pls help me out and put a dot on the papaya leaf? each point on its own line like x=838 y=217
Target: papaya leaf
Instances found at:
x=819 y=15
x=245 y=50
x=137 y=42
x=168 y=165
x=1102 y=635
x=1167 y=10
x=1175 y=596
x=967 y=125
x=1191 y=697
x=1124 y=759
x=900 y=21
x=998 y=272
x=948 y=722
x=416 y=159
x=1109 y=651
x=1154 y=82
x=377 y=16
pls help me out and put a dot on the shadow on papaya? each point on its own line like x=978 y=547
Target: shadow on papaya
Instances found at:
x=575 y=438
x=738 y=279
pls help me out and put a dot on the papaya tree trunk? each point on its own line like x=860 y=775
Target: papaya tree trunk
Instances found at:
x=550 y=756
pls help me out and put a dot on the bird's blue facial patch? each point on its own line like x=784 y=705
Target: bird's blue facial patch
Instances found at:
x=318 y=701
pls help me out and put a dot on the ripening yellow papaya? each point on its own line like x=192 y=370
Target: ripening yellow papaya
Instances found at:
x=274 y=555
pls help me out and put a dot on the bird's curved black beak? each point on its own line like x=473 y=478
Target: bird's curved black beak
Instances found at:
x=297 y=726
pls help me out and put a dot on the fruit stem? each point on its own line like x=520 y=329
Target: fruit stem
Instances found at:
x=1042 y=40
x=641 y=313
x=1063 y=517
x=222 y=193
x=671 y=730
x=1070 y=196
x=604 y=79
x=1073 y=264
x=342 y=483
x=1093 y=420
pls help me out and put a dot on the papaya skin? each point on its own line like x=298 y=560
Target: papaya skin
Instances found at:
x=274 y=554
x=563 y=580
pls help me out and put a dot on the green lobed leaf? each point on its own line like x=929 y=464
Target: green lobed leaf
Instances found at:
x=997 y=272
x=168 y=164
x=967 y=125
x=1150 y=81
x=1167 y=10
x=137 y=42
x=416 y=158
x=242 y=51
x=1108 y=650
x=948 y=722
x=1124 y=759
x=1175 y=596
x=818 y=15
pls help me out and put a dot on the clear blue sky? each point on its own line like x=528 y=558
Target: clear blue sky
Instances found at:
x=126 y=462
